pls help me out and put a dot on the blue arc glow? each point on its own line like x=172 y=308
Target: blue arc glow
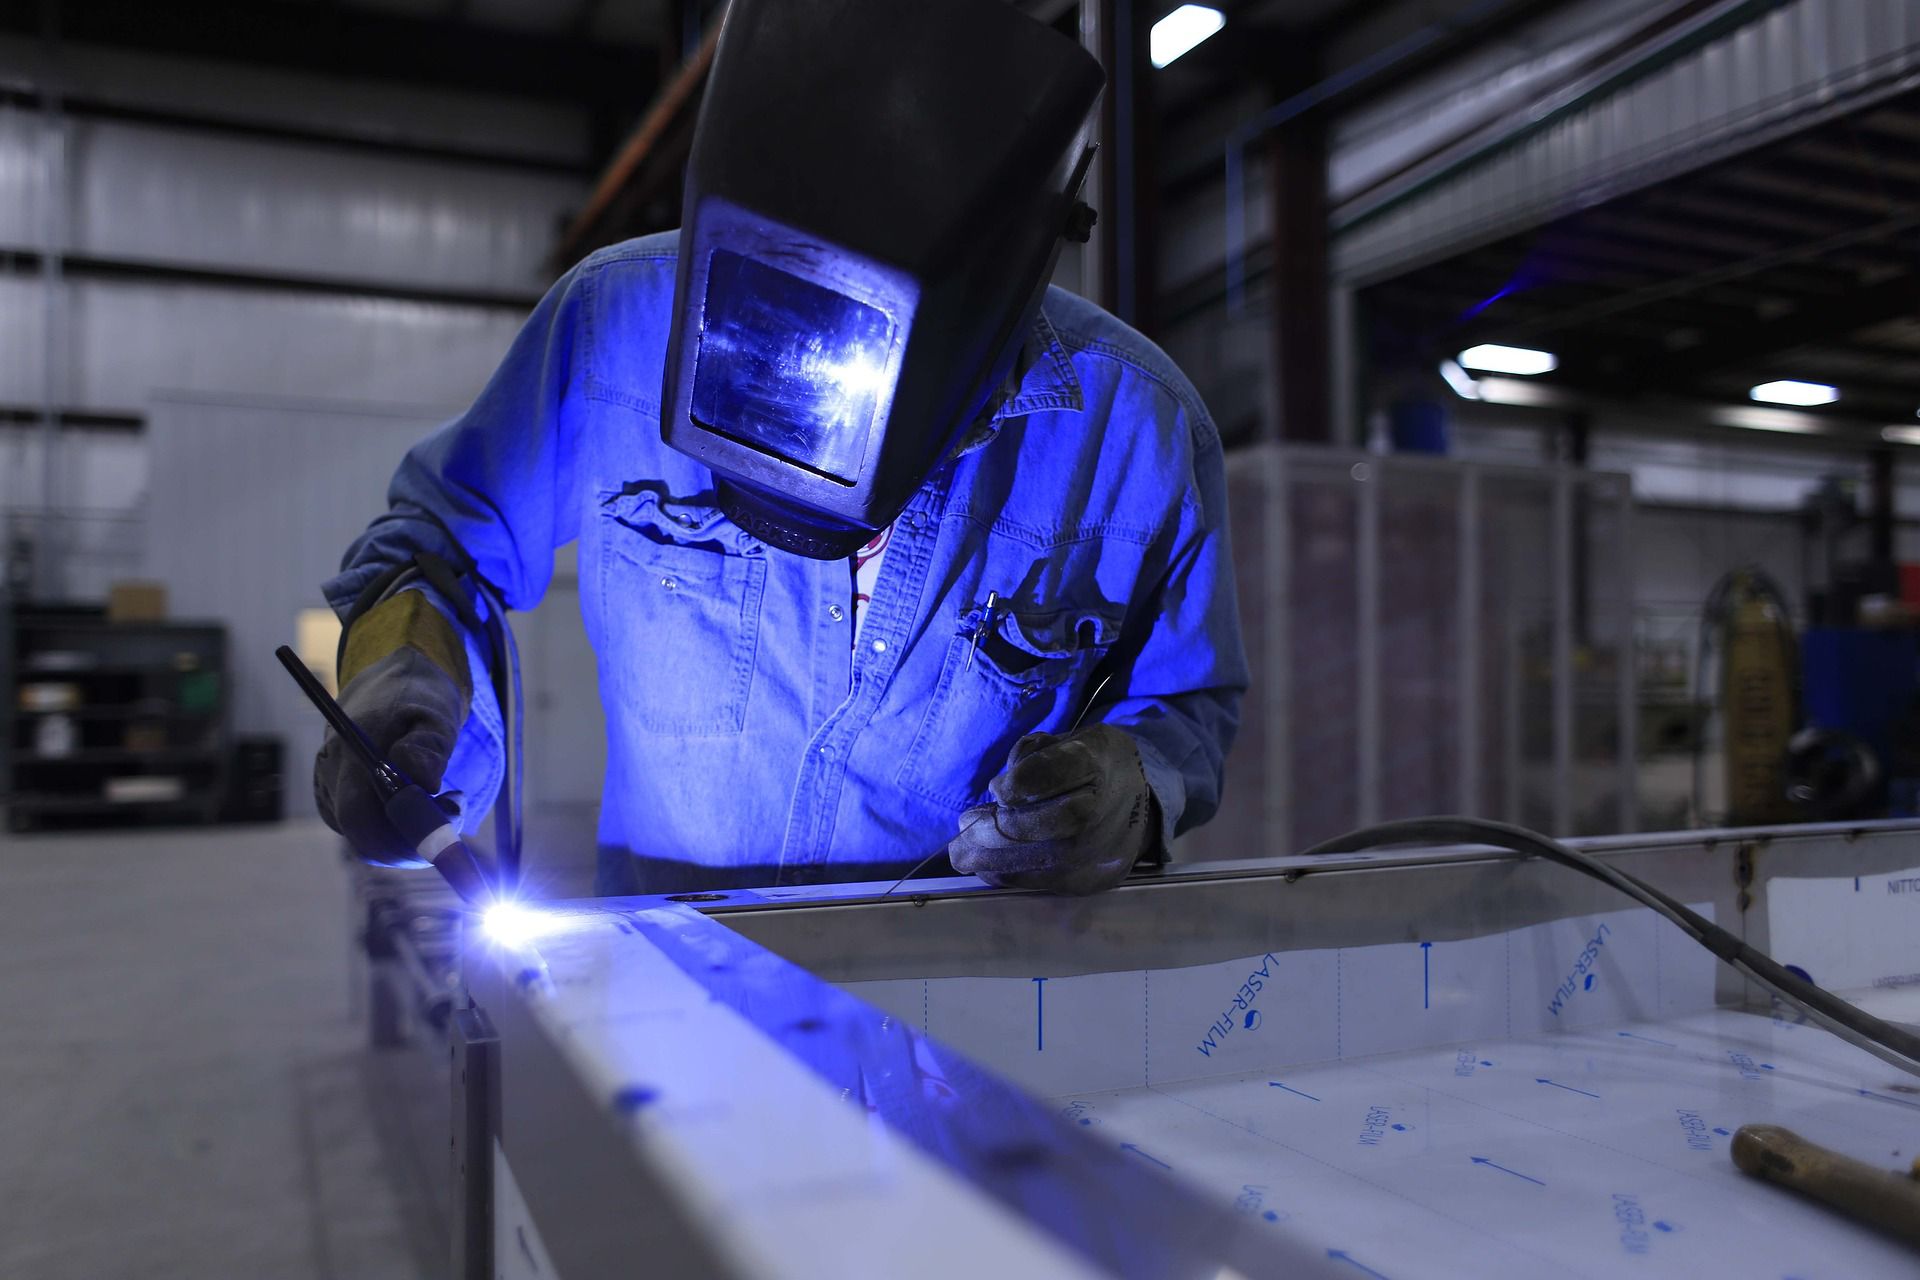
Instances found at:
x=513 y=924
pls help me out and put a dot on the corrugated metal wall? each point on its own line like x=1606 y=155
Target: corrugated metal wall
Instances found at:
x=286 y=267
x=132 y=339
x=233 y=203
x=1788 y=66
x=253 y=501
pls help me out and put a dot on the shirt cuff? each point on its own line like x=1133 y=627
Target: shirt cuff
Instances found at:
x=1169 y=791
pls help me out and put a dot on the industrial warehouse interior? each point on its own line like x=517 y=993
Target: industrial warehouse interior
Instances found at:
x=958 y=638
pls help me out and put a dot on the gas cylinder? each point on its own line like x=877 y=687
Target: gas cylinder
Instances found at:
x=1757 y=695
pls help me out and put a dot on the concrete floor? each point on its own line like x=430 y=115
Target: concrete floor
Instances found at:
x=184 y=1088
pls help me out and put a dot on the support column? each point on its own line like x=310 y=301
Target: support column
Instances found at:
x=1121 y=271
x=50 y=578
x=1302 y=311
x=1579 y=444
x=1881 y=517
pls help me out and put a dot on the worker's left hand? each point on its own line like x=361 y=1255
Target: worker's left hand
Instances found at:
x=1072 y=814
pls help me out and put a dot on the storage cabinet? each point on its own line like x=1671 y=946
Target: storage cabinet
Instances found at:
x=115 y=722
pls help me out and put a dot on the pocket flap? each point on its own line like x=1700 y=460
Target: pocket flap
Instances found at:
x=1059 y=634
x=671 y=521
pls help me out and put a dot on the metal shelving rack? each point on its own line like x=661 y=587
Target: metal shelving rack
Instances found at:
x=114 y=723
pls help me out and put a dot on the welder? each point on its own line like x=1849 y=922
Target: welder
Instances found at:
x=884 y=546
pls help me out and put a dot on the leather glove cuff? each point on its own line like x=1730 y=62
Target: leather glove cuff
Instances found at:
x=1072 y=814
x=406 y=621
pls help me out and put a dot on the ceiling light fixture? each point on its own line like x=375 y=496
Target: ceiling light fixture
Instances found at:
x=1491 y=357
x=1460 y=380
x=1803 y=424
x=1787 y=391
x=1514 y=391
x=1181 y=30
x=1900 y=435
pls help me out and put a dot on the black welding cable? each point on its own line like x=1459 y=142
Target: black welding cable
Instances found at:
x=1885 y=1040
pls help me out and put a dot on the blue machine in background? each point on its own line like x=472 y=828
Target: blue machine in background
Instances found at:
x=1865 y=683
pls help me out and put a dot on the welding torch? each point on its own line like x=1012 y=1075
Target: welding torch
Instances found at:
x=419 y=819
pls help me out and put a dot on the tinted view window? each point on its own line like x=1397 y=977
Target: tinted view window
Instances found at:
x=789 y=366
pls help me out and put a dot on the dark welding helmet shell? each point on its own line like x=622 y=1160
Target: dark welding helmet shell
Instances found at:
x=875 y=199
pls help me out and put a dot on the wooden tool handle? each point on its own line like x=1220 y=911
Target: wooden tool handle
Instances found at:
x=1889 y=1201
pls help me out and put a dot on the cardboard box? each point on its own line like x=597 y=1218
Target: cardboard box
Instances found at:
x=133 y=601
x=49 y=696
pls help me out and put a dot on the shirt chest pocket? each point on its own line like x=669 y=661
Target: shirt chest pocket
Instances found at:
x=1015 y=673
x=680 y=586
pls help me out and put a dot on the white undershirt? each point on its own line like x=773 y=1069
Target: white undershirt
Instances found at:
x=866 y=572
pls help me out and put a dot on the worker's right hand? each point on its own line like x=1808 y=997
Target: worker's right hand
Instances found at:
x=411 y=708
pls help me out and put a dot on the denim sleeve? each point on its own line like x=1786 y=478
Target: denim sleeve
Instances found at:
x=498 y=483
x=500 y=480
x=1185 y=678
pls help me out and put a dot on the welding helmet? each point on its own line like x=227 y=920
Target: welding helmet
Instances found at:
x=876 y=196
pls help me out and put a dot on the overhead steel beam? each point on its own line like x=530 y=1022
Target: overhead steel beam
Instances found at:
x=351 y=41
x=1821 y=319
x=324 y=134
x=1741 y=273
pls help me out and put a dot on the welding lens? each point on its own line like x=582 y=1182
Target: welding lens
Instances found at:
x=789 y=366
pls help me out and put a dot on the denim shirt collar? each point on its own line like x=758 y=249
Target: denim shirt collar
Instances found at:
x=1047 y=379
x=1043 y=379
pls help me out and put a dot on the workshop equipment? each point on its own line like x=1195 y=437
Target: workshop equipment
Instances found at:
x=416 y=815
x=1863 y=683
x=1756 y=696
x=1889 y=1201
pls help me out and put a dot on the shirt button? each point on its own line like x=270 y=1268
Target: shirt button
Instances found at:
x=826 y=753
x=879 y=646
x=835 y=612
x=670 y=584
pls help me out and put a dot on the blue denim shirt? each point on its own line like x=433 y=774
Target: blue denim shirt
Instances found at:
x=749 y=741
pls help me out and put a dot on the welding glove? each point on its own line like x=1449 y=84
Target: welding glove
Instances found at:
x=405 y=683
x=1071 y=814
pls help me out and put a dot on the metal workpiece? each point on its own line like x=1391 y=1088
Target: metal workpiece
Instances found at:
x=1231 y=1068
x=473 y=1051
x=674 y=1092
x=1201 y=913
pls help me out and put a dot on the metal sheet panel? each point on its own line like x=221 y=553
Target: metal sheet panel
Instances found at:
x=235 y=539
x=96 y=518
x=23 y=178
x=1560 y=1083
x=1789 y=66
x=200 y=199
x=1500 y=71
x=132 y=339
x=22 y=340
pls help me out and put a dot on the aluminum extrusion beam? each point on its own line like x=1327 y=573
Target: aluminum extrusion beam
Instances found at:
x=681 y=1086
